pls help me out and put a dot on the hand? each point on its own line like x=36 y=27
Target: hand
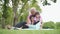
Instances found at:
x=27 y=24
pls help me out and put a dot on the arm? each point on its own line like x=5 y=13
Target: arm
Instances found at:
x=28 y=20
x=41 y=22
x=31 y=26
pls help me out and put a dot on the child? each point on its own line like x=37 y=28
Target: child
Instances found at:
x=37 y=24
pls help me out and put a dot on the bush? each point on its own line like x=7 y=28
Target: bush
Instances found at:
x=57 y=25
x=49 y=25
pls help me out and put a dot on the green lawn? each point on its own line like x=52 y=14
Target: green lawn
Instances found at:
x=4 y=31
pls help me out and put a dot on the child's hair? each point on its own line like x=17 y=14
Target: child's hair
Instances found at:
x=37 y=13
x=31 y=16
x=32 y=19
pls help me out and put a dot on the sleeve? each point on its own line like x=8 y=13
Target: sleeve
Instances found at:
x=41 y=19
x=28 y=20
x=40 y=22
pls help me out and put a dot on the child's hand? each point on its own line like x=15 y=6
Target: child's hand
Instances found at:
x=27 y=24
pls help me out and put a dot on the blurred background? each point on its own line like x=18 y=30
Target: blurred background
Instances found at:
x=15 y=11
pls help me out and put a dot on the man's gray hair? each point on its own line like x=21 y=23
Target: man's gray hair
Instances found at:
x=33 y=9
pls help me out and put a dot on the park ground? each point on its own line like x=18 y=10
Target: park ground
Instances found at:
x=4 y=31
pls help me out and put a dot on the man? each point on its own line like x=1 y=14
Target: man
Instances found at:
x=32 y=12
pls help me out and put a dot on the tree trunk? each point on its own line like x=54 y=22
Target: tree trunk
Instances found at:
x=3 y=23
x=15 y=6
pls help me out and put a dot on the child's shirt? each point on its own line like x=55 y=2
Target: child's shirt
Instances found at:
x=34 y=27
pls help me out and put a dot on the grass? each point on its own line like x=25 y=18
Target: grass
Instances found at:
x=4 y=31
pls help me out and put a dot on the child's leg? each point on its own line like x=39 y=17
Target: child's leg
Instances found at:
x=38 y=25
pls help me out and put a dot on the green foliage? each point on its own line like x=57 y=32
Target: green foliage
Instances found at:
x=5 y=8
x=0 y=17
x=24 y=1
x=6 y=1
x=57 y=25
x=7 y=13
x=9 y=18
x=34 y=4
x=49 y=25
x=46 y=2
x=23 y=10
x=24 y=16
x=54 y=1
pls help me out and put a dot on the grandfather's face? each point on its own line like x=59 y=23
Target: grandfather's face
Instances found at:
x=33 y=12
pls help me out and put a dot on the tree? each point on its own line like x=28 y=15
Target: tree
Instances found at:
x=15 y=6
x=6 y=11
x=45 y=2
x=5 y=15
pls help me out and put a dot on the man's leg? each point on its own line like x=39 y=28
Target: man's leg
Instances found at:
x=20 y=24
